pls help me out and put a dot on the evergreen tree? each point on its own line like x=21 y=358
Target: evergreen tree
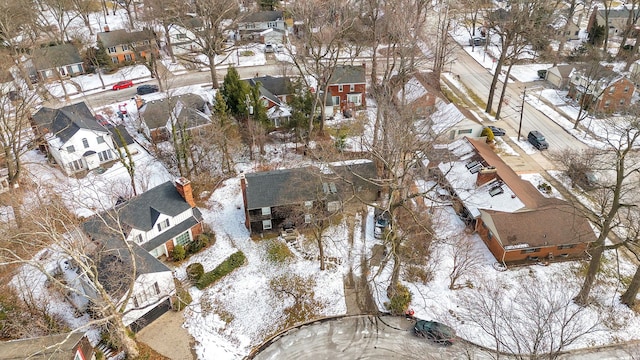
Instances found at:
x=234 y=92
x=301 y=103
x=259 y=110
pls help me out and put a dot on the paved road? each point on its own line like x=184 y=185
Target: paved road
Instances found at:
x=477 y=79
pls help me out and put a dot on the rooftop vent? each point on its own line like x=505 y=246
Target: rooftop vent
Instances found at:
x=496 y=190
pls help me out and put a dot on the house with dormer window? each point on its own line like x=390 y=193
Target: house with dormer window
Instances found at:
x=73 y=138
x=263 y=26
x=517 y=223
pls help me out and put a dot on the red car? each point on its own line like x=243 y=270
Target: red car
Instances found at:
x=122 y=85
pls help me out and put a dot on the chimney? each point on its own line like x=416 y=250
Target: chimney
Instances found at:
x=106 y=28
x=243 y=187
x=486 y=174
x=139 y=102
x=184 y=188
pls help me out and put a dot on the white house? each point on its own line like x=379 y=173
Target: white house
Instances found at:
x=73 y=138
x=252 y=27
x=182 y=37
x=188 y=111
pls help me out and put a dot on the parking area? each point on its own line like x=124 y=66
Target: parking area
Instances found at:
x=167 y=336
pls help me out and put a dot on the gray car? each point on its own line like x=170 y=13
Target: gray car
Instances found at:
x=536 y=139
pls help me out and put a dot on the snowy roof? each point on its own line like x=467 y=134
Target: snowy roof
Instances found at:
x=412 y=90
x=445 y=117
x=278 y=112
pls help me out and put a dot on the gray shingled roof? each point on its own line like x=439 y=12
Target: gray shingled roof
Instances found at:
x=293 y=186
x=122 y=37
x=156 y=113
x=51 y=347
x=128 y=140
x=348 y=74
x=276 y=85
x=55 y=56
x=263 y=16
x=620 y=13
x=66 y=121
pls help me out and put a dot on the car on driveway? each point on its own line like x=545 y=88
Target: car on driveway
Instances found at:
x=435 y=331
x=122 y=85
x=497 y=131
x=147 y=89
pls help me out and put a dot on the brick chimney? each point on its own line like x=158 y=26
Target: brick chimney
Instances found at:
x=183 y=185
x=243 y=187
x=486 y=174
x=106 y=28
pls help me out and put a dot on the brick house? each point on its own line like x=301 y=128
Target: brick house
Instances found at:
x=515 y=220
x=123 y=46
x=276 y=198
x=348 y=87
x=605 y=90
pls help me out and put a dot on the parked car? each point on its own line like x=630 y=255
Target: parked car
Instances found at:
x=147 y=89
x=122 y=85
x=536 y=139
x=438 y=332
x=383 y=220
x=269 y=48
x=497 y=131
x=477 y=41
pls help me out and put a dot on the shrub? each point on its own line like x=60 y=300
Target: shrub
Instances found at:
x=178 y=253
x=195 y=271
x=200 y=242
x=399 y=302
x=278 y=252
x=233 y=262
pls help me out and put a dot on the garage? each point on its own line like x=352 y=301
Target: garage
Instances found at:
x=149 y=317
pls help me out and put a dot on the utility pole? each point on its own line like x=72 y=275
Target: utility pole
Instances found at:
x=524 y=95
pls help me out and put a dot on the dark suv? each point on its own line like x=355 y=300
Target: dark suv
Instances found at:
x=536 y=139
x=146 y=89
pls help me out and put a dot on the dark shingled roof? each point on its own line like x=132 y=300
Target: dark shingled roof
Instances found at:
x=293 y=186
x=55 y=56
x=263 y=16
x=66 y=121
x=348 y=74
x=51 y=347
x=122 y=37
x=271 y=86
x=128 y=140
x=156 y=113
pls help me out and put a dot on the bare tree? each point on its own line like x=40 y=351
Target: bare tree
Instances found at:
x=594 y=81
x=299 y=290
x=620 y=136
x=63 y=15
x=540 y=322
x=466 y=259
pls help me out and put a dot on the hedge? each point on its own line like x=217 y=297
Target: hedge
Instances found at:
x=233 y=262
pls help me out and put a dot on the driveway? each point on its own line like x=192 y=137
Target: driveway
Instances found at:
x=167 y=336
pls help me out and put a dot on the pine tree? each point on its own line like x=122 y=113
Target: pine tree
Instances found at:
x=234 y=92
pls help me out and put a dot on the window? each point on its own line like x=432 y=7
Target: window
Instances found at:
x=272 y=24
x=340 y=88
x=266 y=224
x=135 y=301
x=354 y=98
x=76 y=165
x=85 y=143
x=181 y=36
x=308 y=204
x=307 y=218
x=265 y=102
x=465 y=131
x=71 y=149
x=266 y=211
x=612 y=89
x=146 y=42
x=127 y=57
x=336 y=100
x=111 y=49
x=156 y=287
x=138 y=238
x=163 y=225
x=183 y=238
x=489 y=235
x=607 y=104
x=333 y=206
x=100 y=139
x=621 y=101
x=569 y=246
x=530 y=251
x=352 y=87
x=105 y=155
x=125 y=47
x=626 y=89
x=250 y=26
x=114 y=60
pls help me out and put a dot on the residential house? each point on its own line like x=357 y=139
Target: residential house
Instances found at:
x=448 y=123
x=616 y=19
x=559 y=75
x=348 y=87
x=73 y=138
x=606 y=90
x=263 y=26
x=57 y=62
x=123 y=46
x=273 y=94
x=51 y=347
x=189 y=112
x=181 y=35
x=274 y=199
x=153 y=223
x=415 y=93
x=570 y=33
x=515 y=220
